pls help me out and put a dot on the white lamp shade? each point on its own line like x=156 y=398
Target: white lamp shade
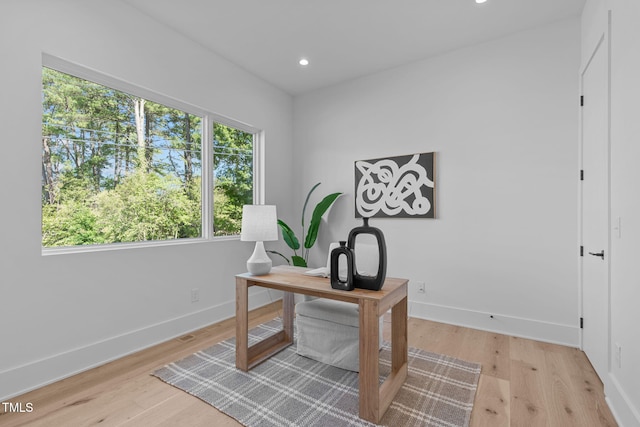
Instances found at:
x=259 y=223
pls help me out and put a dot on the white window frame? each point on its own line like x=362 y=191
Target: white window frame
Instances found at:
x=208 y=120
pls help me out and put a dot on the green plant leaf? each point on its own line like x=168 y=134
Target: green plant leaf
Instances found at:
x=316 y=218
x=289 y=236
x=304 y=208
x=298 y=261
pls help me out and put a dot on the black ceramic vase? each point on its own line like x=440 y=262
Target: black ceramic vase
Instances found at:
x=336 y=282
x=369 y=282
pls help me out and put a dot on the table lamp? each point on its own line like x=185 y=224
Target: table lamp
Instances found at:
x=259 y=224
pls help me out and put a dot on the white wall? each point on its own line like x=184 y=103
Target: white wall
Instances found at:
x=623 y=384
x=61 y=314
x=503 y=119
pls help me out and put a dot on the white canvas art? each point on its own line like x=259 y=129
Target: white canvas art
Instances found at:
x=401 y=186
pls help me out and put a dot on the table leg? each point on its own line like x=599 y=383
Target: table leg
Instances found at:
x=375 y=399
x=288 y=309
x=399 y=346
x=248 y=357
x=369 y=395
x=399 y=356
x=242 y=324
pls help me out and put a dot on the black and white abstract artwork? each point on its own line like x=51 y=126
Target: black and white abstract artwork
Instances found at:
x=401 y=186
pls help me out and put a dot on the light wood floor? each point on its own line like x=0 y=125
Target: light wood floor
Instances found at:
x=523 y=383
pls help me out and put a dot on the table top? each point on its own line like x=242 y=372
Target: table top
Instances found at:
x=291 y=279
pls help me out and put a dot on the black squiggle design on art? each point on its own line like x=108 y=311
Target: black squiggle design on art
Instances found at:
x=385 y=186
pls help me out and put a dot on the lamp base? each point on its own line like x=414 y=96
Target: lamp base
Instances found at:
x=259 y=264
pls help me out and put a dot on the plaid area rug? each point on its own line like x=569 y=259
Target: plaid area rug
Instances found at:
x=292 y=390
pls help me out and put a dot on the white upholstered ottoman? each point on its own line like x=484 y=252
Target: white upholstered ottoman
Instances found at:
x=328 y=332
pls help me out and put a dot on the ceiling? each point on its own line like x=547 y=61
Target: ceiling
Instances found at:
x=344 y=39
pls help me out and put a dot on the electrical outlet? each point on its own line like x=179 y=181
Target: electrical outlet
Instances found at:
x=195 y=295
x=421 y=287
x=619 y=355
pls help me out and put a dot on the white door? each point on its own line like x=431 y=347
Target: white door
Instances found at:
x=595 y=209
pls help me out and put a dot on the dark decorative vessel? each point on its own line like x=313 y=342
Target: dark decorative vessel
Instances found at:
x=373 y=283
x=336 y=281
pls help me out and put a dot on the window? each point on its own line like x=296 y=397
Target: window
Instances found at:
x=233 y=177
x=120 y=168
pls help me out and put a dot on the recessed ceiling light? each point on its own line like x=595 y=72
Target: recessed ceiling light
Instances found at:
x=480 y=1
x=304 y=62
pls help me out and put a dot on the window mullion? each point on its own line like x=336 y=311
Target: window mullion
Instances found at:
x=258 y=169
x=207 y=177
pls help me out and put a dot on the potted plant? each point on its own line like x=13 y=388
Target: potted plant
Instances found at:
x=301 y=258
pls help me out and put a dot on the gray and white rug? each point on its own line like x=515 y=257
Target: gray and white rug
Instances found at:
x=292 y=390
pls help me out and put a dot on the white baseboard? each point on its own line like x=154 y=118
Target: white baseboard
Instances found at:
x=621 y=406
x=30 y=376
x=509 y=325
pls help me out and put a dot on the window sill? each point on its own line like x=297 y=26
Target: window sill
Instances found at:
x=134 y=245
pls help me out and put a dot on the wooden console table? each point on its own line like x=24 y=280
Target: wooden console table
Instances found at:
x=373 y=399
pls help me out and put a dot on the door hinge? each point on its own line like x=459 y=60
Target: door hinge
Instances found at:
x=581 y=250
x=581 y=174
x=582 y=100
x=581 y=323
